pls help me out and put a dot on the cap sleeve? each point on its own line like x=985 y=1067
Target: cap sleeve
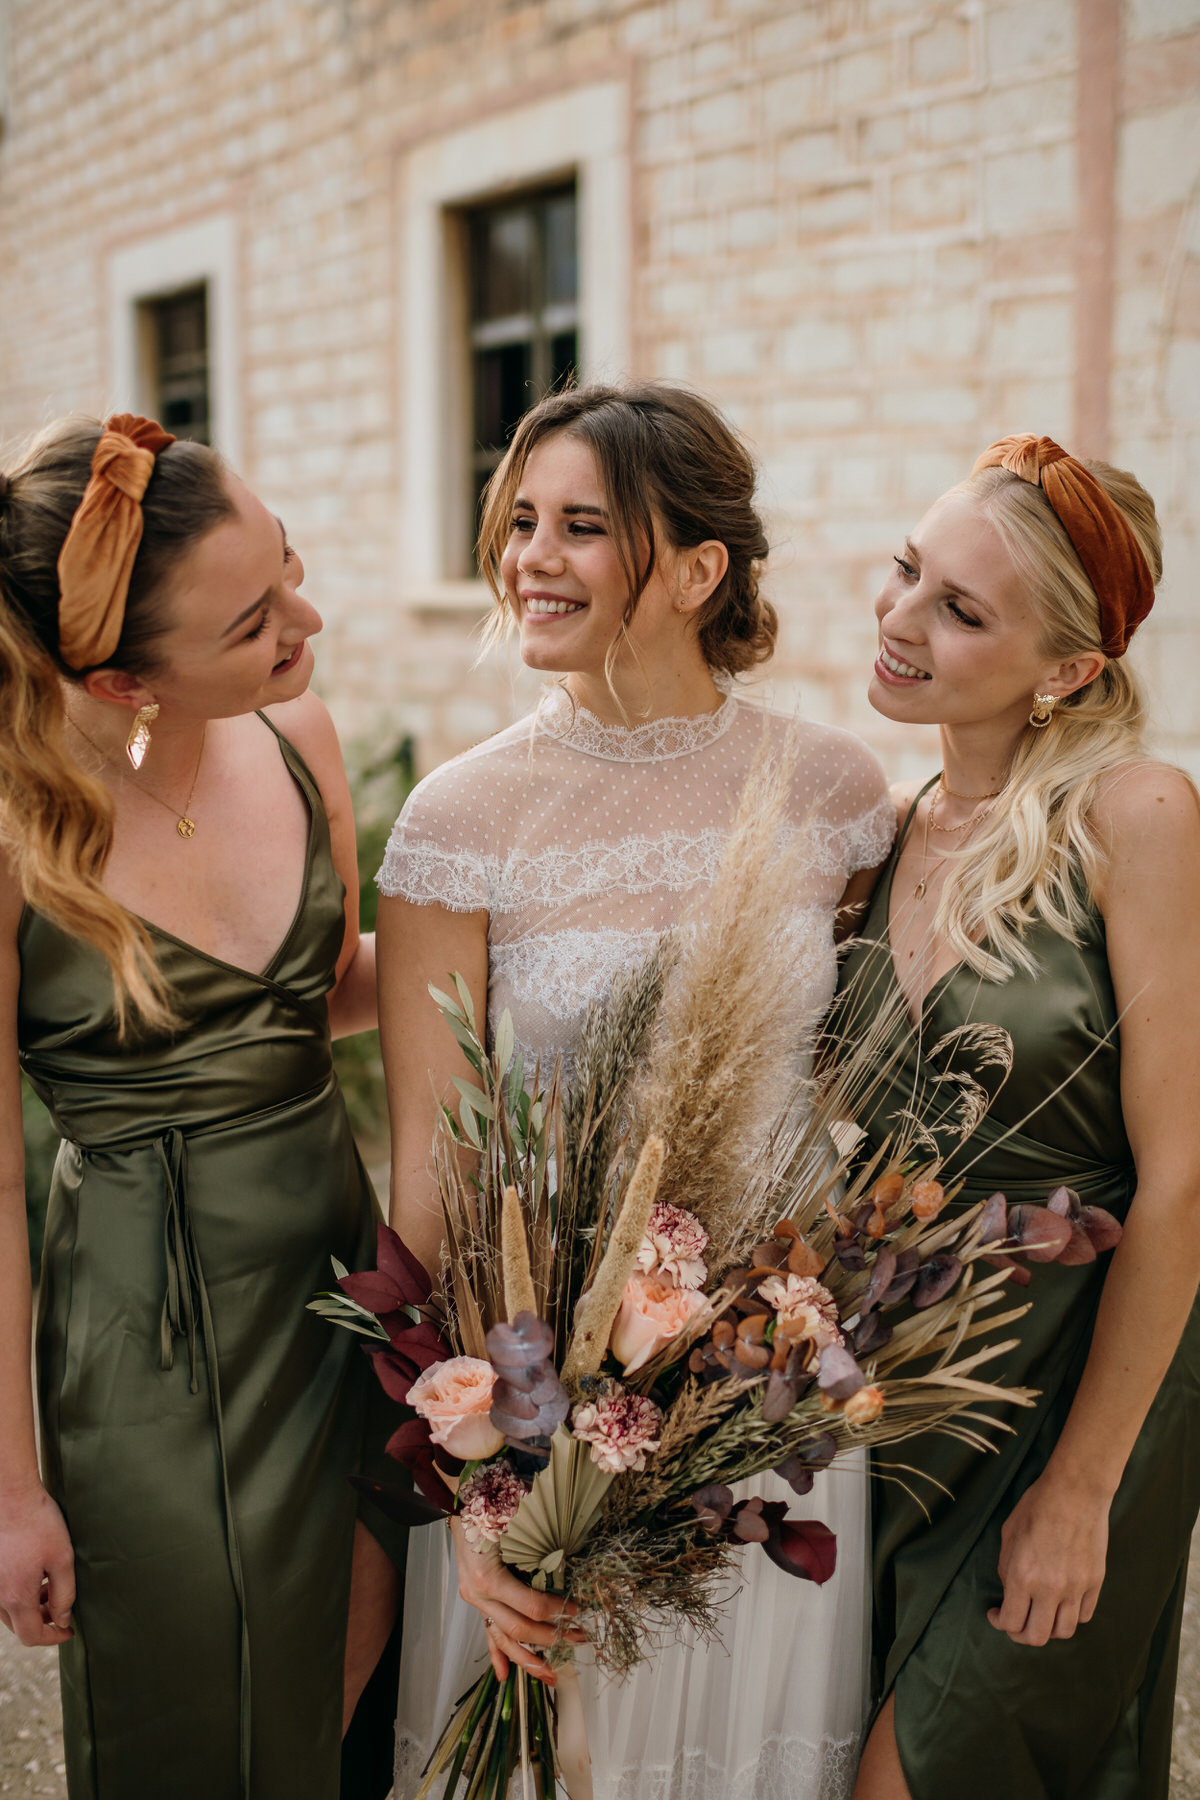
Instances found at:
x=855 y=821
x=437 y=854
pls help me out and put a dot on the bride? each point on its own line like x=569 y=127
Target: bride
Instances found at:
x=620 y=537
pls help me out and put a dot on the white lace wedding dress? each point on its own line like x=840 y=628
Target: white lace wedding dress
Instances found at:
x=583 y=841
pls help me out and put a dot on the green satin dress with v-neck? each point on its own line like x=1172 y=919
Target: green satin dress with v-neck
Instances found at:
x=198 y=1423
x=1087 y=1718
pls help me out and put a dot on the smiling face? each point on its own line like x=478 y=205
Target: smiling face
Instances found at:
x=238 y=631
x=960 y=642
x=565 y=580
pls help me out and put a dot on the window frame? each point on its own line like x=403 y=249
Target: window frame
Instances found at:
x=537 y=326
x=439 y=182
x=201 y=254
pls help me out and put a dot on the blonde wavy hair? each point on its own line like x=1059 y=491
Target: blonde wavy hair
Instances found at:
x=56 y=820
x=1038 y=851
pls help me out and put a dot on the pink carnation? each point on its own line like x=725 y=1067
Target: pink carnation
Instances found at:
x=622 y=1428
x=488 y=1502
x=674 y=1244
x=804 y=1303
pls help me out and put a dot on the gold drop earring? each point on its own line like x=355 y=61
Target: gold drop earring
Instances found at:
x=1043 y=710
x=138 y=741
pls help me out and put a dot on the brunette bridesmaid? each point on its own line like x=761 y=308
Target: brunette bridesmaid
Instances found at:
x=1028 y=1603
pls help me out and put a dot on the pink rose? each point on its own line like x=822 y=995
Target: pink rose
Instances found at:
x=456 y=1398
x=651 y=1314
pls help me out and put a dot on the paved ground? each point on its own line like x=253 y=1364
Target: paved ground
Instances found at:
x=31 y=1742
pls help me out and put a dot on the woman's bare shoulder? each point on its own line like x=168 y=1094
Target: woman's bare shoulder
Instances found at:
x=1142 y=800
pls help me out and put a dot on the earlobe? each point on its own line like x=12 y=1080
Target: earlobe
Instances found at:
x=702 y=572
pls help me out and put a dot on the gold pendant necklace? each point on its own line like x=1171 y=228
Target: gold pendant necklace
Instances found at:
x=185 y=825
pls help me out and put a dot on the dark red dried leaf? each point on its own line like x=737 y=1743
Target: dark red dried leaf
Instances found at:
x=1079 y=1250
x=1104 y=1231
x=378 y=1293
x=397 y=1261
x=802 y=1547
x=1017 y=1275
x=1040 y=1235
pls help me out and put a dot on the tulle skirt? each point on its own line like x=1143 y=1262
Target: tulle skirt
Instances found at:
x=773 y=1712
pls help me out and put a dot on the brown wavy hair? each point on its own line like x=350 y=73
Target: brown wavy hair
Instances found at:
x=670 y=465
x=56 y=820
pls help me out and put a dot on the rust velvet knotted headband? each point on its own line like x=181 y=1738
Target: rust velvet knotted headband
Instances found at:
x=1103 y=538
x=96 y=560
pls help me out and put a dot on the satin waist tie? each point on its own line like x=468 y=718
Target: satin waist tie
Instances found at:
x=186 y=1291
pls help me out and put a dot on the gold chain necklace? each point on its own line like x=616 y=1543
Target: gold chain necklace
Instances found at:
x=949 y=830
x=922 y=886
x=184 y=824
x=947 y=789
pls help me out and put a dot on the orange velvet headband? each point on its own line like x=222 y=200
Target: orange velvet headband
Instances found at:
x=96 y=560
x=1104 y=542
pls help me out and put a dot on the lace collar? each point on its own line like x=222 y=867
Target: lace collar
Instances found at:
x=655 y=741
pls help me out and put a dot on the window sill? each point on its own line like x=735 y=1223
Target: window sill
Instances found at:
x=472 y=598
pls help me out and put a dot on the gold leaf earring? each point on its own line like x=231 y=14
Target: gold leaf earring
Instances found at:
x=138 y=741
x=1043 y=710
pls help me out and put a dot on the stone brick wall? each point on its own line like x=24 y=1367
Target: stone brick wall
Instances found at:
x=854 y=223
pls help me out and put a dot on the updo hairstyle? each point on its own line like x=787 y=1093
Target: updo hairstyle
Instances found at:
x=669 y=464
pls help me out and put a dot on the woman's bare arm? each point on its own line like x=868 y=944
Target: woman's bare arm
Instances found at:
x=306 y=723
x=37 y=1580
x=419 y=946
x=1055 y=1541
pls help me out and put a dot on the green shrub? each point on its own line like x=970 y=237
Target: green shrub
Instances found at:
x=380 y=779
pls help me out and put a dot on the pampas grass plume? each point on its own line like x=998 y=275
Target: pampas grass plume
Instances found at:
x=514 y=1257
x=603 y=1299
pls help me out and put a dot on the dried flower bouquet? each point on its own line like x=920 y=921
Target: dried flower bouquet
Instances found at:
x=663 y=1276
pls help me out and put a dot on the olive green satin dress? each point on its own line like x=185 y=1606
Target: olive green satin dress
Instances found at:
x=1088 y=1718
x=198 y=1423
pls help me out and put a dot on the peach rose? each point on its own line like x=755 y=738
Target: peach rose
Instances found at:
x=864 y=1406
x=651 y=1314
x=456 y=1398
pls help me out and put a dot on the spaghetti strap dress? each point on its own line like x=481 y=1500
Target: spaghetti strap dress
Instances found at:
x=198 y=1424
x=1090 y=1717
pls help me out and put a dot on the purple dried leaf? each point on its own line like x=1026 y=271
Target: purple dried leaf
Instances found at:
x=797 y=1473
x=839 y=1375
x=870 y=1334
x=712 y=1505
x=1039 y=1235
x=935 y=1279
x=992 y=1222
x=1104 y=1230
x=1064 y=1201
x=883 y=1273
